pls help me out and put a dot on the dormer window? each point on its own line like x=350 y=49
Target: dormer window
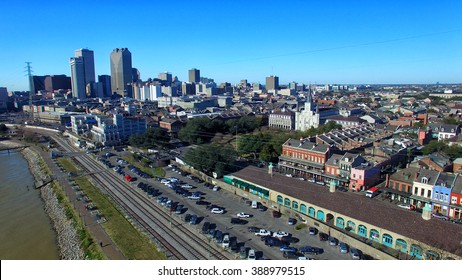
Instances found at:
x=424 y=180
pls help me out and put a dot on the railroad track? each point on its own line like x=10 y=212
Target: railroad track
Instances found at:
x=153 y=220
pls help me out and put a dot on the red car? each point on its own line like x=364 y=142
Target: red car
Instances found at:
x=128 y=178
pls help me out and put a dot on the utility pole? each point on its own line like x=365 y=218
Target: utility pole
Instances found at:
x=31 y=87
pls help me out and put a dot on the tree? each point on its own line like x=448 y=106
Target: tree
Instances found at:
x=433 y=146
x=153 y=137
x=212 y=158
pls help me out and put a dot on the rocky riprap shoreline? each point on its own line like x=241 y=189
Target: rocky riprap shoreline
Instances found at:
x=67 y=237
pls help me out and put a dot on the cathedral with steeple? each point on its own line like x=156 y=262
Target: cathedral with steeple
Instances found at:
x=309 y=117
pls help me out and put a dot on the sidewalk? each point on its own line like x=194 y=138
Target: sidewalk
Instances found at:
x=97 y=232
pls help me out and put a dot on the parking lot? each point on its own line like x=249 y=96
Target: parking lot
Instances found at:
x=231 y=205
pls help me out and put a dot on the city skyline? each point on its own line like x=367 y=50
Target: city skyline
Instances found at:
x=317 y=43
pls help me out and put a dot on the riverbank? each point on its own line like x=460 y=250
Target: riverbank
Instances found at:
x=68 y=240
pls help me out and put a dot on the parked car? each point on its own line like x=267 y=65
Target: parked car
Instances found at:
x=355 y=254
x=243 y=252
x=216 y=188
x=219 y=236
x=312 y=231
x=279 y=234
x=287 y=249
x=291 y=255
x=251 y=255
x=311 y=250
x=193 y=220
x=333 y=241
x=187 y=218
x=343 y=248
x=205 y=227
x=238 y=221
x=276 y=214
x=272 y=241
x=243 y=215
x=225 y=243
x=217 y=211
x=253 y=229
x=440 y=216
x=263 y=232
x=291 y=221
x=404 y=206
x=323 y=236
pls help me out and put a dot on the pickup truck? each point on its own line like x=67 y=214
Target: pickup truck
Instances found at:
x=263 y=232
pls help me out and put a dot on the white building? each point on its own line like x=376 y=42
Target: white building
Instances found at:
x=307 y=118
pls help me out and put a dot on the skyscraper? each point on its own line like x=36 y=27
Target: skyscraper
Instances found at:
x=105 y=81
x=82 y=72
x=78 y=78
x=121 y=72
x=194 y=75
x=272 y=83
x=89 y=64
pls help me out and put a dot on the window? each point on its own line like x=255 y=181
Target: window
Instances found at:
x=351 y=226
x=287 y=202
x=294 y=205
x=431 y=255
x=374 y=235
x=328 y=169
x=311 y=212
x=340 y=222
x=387 y=240
x=354 y=175
x=453 y=199
x=320 y=215
x=424 y=180
x=429 y=193
x=422 y=191
x=362 y=230
x=416 y=251
x=303 y=208
x=279 y=199
x=360 y=177
x=401 y=245
x=416 y=191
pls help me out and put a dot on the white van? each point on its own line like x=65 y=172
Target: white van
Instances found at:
x=254 y=204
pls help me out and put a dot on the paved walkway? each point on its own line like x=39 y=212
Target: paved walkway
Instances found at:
x=98 y=233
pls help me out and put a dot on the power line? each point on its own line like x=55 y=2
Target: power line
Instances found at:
x=344 y=47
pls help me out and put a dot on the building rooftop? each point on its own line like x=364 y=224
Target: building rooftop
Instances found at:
x=306 y=145
x=386 y=216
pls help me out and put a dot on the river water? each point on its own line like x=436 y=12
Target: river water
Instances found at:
x=25 y=229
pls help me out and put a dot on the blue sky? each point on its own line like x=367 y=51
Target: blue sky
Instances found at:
x=349 y=42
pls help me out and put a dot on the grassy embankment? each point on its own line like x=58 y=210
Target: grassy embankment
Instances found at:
x=90 y=249
x=130 y=241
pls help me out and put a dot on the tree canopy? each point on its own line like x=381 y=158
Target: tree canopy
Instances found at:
x=212 y=158
x=202 y=130
x=153 y=137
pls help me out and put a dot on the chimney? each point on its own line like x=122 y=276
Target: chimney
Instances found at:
x=387 y=180
x=270 y=169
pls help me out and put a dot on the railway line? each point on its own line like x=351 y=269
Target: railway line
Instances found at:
x=179 y=241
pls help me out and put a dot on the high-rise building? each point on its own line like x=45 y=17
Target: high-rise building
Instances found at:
x=121 y=72
x=55 y=82
x=105 y=81
x=89 y=64
x=194 y=75
x=78 y=78
x=82 y=73
x=272 y=83
x=167 y=77
x=136 y=75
